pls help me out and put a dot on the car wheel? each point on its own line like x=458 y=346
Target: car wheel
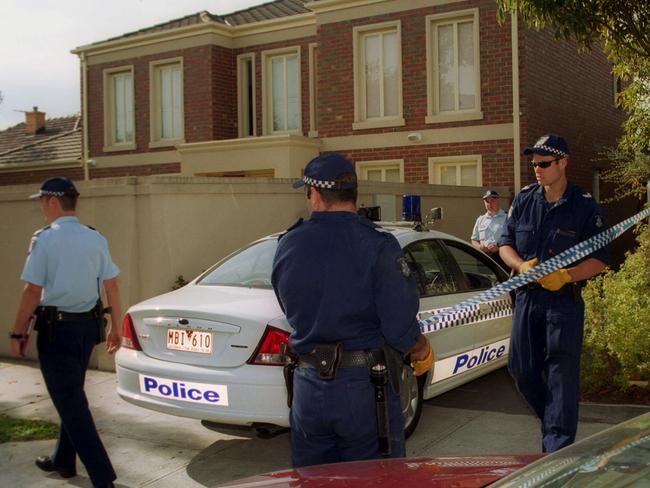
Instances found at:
x=411 y=391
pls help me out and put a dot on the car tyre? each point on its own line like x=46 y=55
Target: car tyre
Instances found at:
x=411 y=392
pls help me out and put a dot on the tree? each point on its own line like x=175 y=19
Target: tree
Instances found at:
x=622 y=28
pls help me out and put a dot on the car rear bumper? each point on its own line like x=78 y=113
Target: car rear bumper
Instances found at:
x=255 y=394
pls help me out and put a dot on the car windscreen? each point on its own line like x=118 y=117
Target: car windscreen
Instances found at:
x=250 y=267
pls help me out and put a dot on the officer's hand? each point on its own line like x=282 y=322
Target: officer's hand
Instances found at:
x=113 y=340
x=526 y=265
x=15 y=348
x=555 y=280
x=423 y=365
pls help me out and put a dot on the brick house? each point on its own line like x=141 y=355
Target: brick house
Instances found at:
x=410 y=90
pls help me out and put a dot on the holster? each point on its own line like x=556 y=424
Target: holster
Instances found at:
x=100 y=313
x=46 y=321
x=290 y=365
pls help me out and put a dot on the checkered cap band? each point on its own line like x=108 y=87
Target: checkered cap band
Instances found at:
x=52 y=193
x=550 y=149
x=319 y=183
x=466 y=311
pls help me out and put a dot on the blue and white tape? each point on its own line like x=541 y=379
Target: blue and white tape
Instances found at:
x=458 y=314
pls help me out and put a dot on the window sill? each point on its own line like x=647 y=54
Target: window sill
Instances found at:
x=379 y=123
x=166 y=143
x=120 y=147
x=453 y=117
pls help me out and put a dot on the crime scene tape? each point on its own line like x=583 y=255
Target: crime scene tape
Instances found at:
x=458 y=314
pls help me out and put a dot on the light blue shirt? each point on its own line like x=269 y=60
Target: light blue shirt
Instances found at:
x=69 y=261
x=488 y=228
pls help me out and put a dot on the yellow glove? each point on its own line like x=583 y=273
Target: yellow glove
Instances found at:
x=422 y=366
x=526 y=265
x=555 y=280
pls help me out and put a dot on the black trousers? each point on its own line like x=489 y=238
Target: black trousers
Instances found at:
x=64 y=361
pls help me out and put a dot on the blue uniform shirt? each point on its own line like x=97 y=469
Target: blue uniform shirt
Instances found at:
x=488 y=228
x=69 y=261
x=339 y=279
x=537 y=228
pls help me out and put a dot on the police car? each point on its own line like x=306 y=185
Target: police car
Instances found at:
x=212 y=349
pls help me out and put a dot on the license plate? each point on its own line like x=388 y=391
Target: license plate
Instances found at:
x=189 y=340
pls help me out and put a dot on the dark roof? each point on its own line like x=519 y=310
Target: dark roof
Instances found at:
x=61 y=139
x=267 y=11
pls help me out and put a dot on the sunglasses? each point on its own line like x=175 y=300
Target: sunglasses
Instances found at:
x=544 y=164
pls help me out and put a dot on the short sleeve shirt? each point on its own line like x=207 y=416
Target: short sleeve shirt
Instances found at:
x=488 y=228
x=70 y=261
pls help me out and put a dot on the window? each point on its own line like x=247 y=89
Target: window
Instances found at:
x=281 y=80
x=313 y=85
x=119 y=121
x=246 y=95
x=456 y=170
x=478 y=274
x=392 y=170
x=432 y=268
x=378 y=76
x=453 y=74
x=166 y=97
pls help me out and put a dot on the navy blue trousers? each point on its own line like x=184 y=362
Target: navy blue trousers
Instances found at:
x=544 y=360
x=335 y=421
x=63 y=363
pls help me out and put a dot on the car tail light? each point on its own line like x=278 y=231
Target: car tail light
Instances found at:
x=129 y=339
x=269 y=351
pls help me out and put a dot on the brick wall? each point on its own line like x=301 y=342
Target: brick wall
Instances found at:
x=570 y=94
x=336 y=79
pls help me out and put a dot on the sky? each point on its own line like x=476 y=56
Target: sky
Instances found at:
x=36 y=37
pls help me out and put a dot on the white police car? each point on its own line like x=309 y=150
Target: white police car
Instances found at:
x=211 y=350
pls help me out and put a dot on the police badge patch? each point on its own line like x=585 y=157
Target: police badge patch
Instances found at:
x=404 y=266
x=599 y=221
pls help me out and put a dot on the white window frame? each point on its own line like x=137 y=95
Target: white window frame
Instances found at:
x=110 y=143
x=156 y=139
x=433 y=113
x=361 y=121
x=241 y=59
x=383 y=164
x=313 y=86
x=267 y=90
x=436 y=163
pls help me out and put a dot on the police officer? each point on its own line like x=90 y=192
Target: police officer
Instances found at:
x=489 y=226
x=340 y=280
x=66 y=265
x=545 y=219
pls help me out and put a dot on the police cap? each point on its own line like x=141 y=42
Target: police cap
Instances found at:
x=549 y=145
x=58 y=186
x=490 y=194
x=325 y=172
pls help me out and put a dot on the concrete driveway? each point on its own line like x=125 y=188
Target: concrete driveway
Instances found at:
x=157 y=450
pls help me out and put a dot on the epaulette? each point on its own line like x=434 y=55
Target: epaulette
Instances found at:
x=587 y=195
x=34 y=238
x=39 y=231
x=528 y=187
x=296 y=224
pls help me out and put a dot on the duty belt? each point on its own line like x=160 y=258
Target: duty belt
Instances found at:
x=71 y=316
x=349 y=359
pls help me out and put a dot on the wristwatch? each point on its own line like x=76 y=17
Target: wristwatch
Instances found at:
x=19 y=337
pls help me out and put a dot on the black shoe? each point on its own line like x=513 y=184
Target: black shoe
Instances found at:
x=45 y=463
x=110 y=485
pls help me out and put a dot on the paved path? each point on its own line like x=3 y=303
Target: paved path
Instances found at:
x=151 y=449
